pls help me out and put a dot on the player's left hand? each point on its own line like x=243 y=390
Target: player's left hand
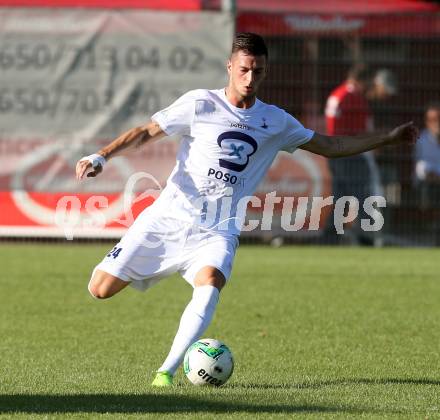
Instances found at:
x=406 y=133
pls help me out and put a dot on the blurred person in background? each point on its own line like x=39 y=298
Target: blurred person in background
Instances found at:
x=347 y=112
x=427 y=158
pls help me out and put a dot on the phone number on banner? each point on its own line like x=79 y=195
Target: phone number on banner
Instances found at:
x=52 y=102
x=23 y=56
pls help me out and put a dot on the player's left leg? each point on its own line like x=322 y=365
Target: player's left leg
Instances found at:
x=104 y=285
x=195 y=320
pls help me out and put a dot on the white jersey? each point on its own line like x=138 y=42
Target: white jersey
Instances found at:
x=224 y=153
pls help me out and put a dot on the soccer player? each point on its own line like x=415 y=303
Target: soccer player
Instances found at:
x=229 y=139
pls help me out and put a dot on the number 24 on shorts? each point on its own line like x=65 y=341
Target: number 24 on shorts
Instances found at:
x=114 y=252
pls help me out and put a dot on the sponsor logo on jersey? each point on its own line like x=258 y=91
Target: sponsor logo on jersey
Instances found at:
x=236 y=150
x=239 y=146
x=222 y=176
x=239 y=125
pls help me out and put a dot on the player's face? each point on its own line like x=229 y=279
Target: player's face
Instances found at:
x=246 y=72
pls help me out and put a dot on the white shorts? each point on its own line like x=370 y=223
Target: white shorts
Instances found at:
x=152 y=250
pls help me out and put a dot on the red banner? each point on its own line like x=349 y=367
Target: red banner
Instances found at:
x=72 y=214
x=413 y=25
x=108 y=4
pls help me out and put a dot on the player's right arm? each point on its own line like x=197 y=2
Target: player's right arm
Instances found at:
x=134 y=137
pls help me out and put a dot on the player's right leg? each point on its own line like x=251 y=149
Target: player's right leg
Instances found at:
x=207 y=269
x=194 y=321
x=104 y=285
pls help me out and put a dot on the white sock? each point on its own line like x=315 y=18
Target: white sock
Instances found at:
x=195 y=319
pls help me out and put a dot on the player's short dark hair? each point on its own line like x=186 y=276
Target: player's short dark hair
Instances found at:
x=249 y=43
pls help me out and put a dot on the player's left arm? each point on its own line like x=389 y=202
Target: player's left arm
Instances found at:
x=340 y=146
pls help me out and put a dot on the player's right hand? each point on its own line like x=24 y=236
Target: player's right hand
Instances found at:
x=85 y=167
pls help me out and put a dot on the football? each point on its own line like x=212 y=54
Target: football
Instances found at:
x=208 y=362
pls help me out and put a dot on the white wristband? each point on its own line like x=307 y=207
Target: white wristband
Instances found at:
x=95 y=160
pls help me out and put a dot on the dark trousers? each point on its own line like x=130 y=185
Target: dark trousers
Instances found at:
x=351 y=176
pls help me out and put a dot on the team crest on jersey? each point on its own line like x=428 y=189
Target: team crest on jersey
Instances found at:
x=238 y=148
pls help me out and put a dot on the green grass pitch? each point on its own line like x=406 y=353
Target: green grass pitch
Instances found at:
x=316 y=333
